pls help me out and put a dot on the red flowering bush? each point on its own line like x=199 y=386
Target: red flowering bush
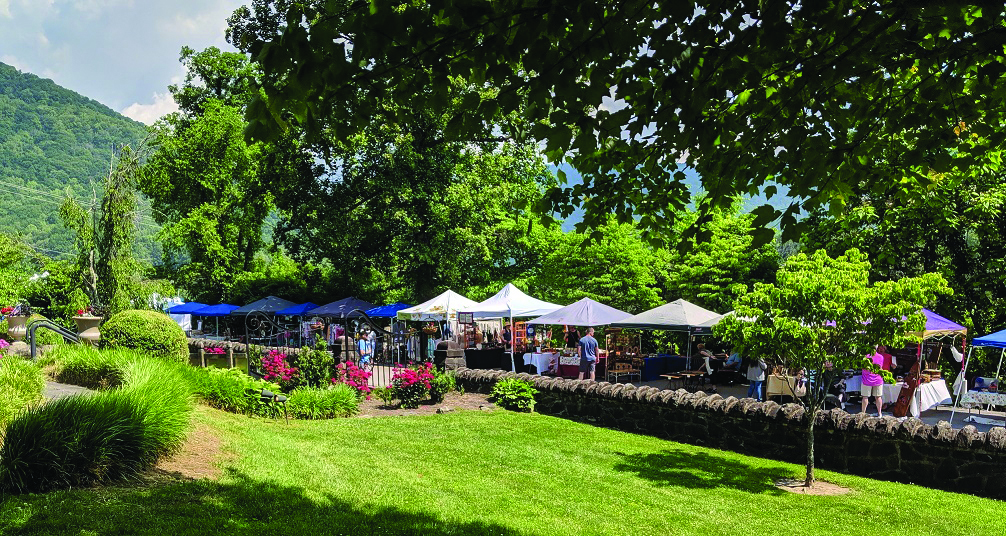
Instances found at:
x=276 y=368
x=411 y=385
x=353 y=376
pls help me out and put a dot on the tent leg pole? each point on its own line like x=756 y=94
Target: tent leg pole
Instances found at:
x=689 y=365
x=513 y=345
x=964 y=385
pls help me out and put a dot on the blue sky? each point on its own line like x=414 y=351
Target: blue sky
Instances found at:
x=121 y=53
x=780 y=201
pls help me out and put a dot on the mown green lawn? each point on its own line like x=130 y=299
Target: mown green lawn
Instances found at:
x=486 y=473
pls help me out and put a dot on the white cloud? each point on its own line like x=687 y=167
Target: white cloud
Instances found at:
x=13 y=61
x=148 y=113
x=118 y=52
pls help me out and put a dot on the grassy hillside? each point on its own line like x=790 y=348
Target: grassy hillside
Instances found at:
x=53 y=142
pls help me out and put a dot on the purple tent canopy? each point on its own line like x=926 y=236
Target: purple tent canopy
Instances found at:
x=585 y=312
x=936 y=326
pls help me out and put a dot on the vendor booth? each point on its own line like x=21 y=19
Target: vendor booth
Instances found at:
x=987 y=392
x=215 y=312
x=509 y=303
x=305 y=332
x=678 y=315
x=259 y=320
x=922 y=378
x=443 y=310
x=393 y=348
x=182 y=314
x=585 y=312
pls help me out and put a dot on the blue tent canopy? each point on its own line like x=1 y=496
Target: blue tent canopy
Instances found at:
x=186 y=308
x=387 y=311
x=342 y=308
x=997 y=339
x=297 y=310
x=223 y=309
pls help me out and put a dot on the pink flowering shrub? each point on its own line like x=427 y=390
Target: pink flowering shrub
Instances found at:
x=353 y=376
x=411 y=385
x=216 y=351
x=277 y=370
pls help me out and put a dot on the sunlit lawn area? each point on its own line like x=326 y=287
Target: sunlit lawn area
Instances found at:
x=485 y=473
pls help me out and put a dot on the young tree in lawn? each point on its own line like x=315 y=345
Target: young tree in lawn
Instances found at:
x=825 y=309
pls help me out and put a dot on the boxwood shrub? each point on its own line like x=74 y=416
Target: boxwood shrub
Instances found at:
x=150 y=332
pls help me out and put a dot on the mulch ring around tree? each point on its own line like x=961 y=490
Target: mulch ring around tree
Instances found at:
x=376 y=407
x=820 y=487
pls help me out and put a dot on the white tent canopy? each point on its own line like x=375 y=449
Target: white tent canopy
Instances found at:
x=443 y=307
x=679 y=315
x=585 y=312
x=511 y=302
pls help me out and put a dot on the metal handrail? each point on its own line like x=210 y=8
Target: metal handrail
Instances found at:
x=67 y=335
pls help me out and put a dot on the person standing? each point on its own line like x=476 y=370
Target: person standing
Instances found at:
x=873 y=385
x=366 y=350
x=588 y=354
x=889 y=361
x=756 y=378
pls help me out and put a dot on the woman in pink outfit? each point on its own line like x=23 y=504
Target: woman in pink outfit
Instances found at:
x=873 y=384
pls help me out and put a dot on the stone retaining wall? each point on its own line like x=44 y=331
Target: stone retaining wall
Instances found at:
x=910 y=451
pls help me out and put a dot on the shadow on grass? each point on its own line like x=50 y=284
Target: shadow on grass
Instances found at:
x=241 y=506
x=701 y=470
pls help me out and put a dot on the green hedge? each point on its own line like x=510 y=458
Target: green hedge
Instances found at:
x=21 y=384
x=151 y=332
x=82 y=440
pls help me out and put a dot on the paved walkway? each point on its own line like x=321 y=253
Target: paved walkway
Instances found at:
x=55 y=390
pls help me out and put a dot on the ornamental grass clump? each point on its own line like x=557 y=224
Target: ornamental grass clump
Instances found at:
x=323 y=403
x=233 y=390
x=110 y=435
x=85 y=365
x=21 y=384
x=410 y=385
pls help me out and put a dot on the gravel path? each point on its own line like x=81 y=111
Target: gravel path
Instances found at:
x=55 y=390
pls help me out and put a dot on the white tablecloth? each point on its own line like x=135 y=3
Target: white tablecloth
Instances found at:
x=542 y=362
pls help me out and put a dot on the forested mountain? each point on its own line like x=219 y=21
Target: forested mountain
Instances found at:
x=55 y=142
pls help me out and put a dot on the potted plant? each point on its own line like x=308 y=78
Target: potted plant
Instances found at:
x=88 y=321
x=17 y=320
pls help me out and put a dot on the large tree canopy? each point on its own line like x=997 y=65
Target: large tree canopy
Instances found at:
x=818 y=96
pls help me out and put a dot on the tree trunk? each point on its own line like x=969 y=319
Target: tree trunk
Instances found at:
x=809 y=480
